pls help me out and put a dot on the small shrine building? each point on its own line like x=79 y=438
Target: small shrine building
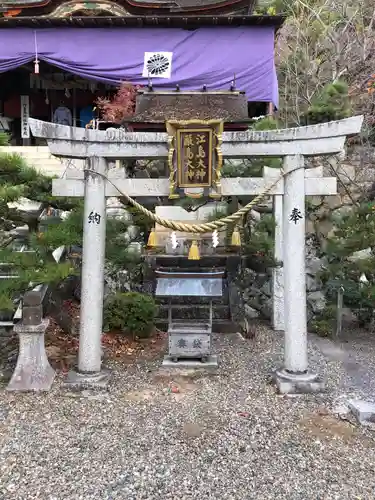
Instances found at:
x=57 y=57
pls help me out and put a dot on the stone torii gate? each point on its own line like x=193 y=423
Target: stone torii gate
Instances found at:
x=102 y=147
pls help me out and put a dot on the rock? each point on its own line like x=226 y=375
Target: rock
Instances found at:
x=135 y=248
x=262 y=278
x=133 y=231
x=309 y=313
x=26 y=205
x=115 y=209
x=333 y=202
x=234 y=163
x=364 y=411
x=317 y=301
x=313 y=284
x=315 y=201
x=346 y=173
x=266 y=309
x=312 y=246
x=266 y=289
x=255 y=304
x=341 y=211
x=324 y=227
x=361 y=255
x=309 y=226
x=313 y=265
x=255 y=215
x=250 y=312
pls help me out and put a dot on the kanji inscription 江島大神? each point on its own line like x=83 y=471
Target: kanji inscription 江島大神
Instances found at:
x=194 y=157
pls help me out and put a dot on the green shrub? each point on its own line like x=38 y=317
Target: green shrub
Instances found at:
x=354 y=232
x=332 y=103
x=324 y=323
x=322 y=327
x=4 y=139
x=130 y=312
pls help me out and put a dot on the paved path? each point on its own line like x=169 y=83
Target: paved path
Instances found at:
x=356 y=356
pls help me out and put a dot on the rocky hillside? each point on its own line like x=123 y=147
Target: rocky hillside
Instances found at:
x=321 y=42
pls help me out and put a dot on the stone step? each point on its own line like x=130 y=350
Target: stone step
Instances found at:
x=194 y=311
x=211 y=262
x=198 y=301
x=40 y=158
x=218 y=326
x=197 y=270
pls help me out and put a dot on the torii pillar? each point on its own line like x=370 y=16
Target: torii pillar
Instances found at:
x=291 y=144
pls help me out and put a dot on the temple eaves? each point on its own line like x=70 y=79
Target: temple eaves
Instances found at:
x=139 y=21
x=16 y=8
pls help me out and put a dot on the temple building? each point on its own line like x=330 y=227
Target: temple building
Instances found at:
x=57 y=57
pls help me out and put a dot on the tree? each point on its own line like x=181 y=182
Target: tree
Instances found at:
x=18 y=180
x=37 y=265
x=322 y=42
x=351 y=260
x=120 y=106
x=331 y=104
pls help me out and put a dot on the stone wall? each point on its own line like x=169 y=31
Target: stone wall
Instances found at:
x=355 y=172
x=355 y=175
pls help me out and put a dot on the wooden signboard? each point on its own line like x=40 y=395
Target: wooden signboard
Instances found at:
x=195 y=158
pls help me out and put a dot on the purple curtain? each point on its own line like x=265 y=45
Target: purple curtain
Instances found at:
x=205 y=56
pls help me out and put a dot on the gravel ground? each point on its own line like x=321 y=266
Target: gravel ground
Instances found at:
x=227 y=435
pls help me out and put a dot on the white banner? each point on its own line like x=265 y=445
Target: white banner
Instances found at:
x=25 y=115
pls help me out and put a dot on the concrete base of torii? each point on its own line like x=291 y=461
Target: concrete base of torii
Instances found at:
x=297 y=383
x=77 y=381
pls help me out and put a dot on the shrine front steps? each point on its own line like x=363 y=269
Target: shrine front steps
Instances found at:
x=210 y=263
x=218 y=325
x=194 y=312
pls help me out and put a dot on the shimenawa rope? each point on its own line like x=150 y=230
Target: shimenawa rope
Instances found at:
x=194 y=228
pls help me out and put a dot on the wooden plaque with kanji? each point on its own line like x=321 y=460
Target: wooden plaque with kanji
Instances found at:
x=195 y=158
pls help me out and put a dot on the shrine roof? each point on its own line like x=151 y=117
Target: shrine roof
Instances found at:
x=159 y=106
x=139 y=21
x=139 y=6
x=143 y=3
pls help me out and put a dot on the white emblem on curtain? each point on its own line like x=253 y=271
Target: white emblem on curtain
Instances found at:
x=157 y=64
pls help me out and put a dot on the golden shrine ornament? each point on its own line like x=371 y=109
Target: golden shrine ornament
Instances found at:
x=195 y=158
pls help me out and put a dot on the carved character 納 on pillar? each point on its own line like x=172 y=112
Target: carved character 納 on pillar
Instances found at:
x=94 y=218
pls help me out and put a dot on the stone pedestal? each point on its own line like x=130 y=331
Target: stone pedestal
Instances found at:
x=196 y=364
x=297 y=383
x=80 y=381
x=33 y=371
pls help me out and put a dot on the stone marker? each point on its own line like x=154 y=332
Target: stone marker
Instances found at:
x=33 y=371
x=364 y=411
